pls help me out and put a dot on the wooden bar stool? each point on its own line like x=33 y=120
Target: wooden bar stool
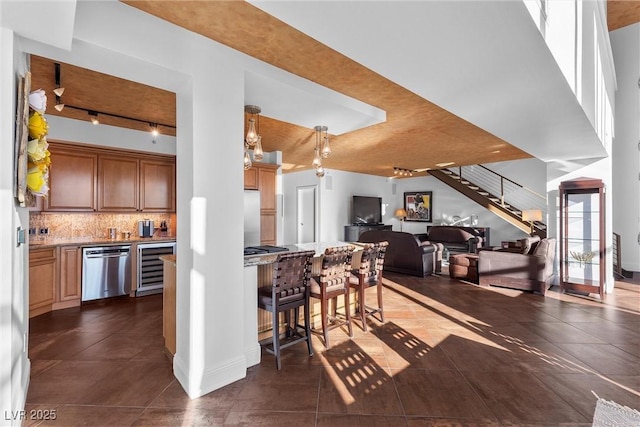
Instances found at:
x=333 y=282
x=369 y=274
x=289 y=291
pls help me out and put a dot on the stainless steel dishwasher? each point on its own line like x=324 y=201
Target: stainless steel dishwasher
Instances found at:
x=106 y=272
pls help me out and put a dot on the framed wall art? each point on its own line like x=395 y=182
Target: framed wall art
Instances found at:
x=419 y=205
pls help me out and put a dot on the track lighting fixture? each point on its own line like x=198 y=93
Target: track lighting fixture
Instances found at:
x=58 y=91
x=403 y=172
x=93 y=117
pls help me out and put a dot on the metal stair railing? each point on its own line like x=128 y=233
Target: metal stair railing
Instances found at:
x=510 y=194
x=617 y=257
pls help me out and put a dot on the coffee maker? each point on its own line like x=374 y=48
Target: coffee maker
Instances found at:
x=145 y=228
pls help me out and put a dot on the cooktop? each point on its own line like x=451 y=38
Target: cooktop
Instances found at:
x=257 y=250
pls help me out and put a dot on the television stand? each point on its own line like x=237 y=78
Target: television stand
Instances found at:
x=352 y=232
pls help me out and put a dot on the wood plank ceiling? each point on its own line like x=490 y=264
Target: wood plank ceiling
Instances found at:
x=417 y=134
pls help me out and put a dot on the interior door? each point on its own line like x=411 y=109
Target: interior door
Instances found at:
x=306 y=214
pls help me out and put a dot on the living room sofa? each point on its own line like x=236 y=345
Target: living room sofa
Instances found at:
x=529 y=270
x=406 y=253
x=455 y=239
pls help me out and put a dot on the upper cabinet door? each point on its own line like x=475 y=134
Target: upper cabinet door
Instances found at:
x=267 y=185
x=251 y=178
x=157 y=186
x=117 y=184
x=72 y=181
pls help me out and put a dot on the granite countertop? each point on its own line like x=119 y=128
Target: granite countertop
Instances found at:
x=95 y=241
x=168 y=258
x=319 y=247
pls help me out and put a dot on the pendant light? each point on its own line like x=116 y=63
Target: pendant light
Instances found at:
x=258 y=154
x=253 y=132
x=321 y=150
x=247 y=158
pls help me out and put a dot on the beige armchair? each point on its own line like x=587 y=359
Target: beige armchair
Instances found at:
x=529 y=271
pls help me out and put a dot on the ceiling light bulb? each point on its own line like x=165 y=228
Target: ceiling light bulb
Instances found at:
x=316 y=159
x=154 y=129
x=59 y=107
x=326 y=149
x=247 y=159
x=94 y=117
x=252 y=135
x=320 y=171
x=58 y=91
x=258 y=154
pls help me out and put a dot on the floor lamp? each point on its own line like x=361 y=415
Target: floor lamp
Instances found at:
x=402 y=214
x=532 y=215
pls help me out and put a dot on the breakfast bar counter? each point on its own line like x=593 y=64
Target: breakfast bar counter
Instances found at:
x=258 y=272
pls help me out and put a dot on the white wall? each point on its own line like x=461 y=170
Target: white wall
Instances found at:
x=70 y=130
x=336 y=189
x=577 y=36
x=447 y=203
x=14 y=301
x=626 y=153
x=334 y=195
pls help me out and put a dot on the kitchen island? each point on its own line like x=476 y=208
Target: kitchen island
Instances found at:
x=258 y=272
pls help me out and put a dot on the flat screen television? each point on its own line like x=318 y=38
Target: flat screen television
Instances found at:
x=366 y=210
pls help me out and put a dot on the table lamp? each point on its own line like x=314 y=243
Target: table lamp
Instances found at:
x=402 y=214
x=532 y=215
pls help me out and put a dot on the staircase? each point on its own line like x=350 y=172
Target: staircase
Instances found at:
x=498 y=194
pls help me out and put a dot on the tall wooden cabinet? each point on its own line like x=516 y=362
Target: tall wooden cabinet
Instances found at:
x=582 y=236
x=262 y=177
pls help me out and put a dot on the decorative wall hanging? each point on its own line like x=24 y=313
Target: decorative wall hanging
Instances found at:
x=32 y=157
x=419 y=206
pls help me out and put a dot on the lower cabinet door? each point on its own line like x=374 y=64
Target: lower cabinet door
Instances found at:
x=69 y=290
x=42 y=280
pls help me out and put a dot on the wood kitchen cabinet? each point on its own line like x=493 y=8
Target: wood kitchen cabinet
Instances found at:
x=42 y=280
x=72 y=180
x=69 y=290
x=88 y=178
x=118 y=178
x=262 y=177
x=251 y=178
x=157 y=185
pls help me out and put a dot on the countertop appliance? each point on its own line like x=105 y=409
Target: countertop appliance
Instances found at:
x=106 y=272
x=150 y=268
x=251 y=218
x=145 y=228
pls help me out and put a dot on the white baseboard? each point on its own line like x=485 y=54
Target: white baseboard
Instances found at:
x=253 y=355
x=212 y=378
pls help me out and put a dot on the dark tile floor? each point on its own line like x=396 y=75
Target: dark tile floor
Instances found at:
x=450 y=353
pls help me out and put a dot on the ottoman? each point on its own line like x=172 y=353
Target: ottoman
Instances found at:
x=464 y=266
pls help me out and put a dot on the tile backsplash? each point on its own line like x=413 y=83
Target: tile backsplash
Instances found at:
x=95 y=225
